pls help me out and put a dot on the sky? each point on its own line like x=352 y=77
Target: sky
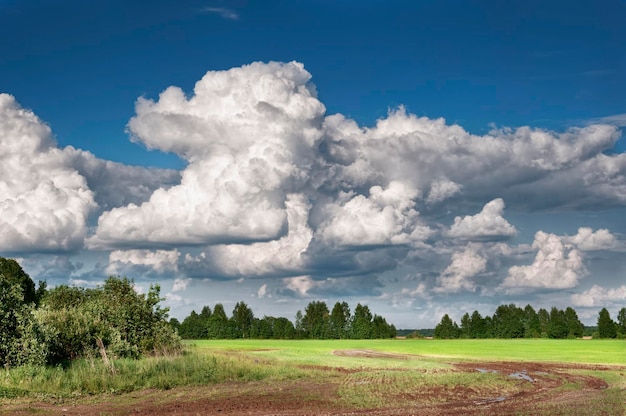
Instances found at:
x=419 y=157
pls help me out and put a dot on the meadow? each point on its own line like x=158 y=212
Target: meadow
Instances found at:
x=336 y=377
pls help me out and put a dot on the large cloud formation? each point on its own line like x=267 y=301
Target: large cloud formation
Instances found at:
x=247 y=134
x=274 y=186
x=44 y=201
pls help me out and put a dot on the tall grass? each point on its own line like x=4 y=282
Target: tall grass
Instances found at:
x=92 y=376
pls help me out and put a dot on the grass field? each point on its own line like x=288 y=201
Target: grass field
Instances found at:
x=535 y=350
x=336 y=376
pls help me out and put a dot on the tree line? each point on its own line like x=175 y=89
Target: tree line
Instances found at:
x=317 y=322
x=51 y=327
x=510 y=321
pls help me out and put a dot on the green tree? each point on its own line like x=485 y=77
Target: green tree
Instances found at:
x=466 y=325
x=193 y=327
x=362 y=327
x=621 y=321
x=381 y=329
x=11 y=270
x=315 y=320
x=446 y=328
x=575 y=328
x=477 y=326
x=299 y=326
x=532 y=324
x=339 y=323
x=21 y=340
x=242 y=317
x=544 y=322
x=558 y=325
x=606 y=326
x=283 y=329
x=217 y=324
x=508 y=321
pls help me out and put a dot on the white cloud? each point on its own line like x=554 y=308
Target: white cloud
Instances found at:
x=44 y=201
x=588 y=240
x=223 y=12
x=420 y=291
x=173 y=298
x=248 y=134
x=385 y=217
x=616 y=120
x=160 y=261
x=457 y=276
x=556 y=266
x=598 y=296
x=285 y=255
x=115 y=184
x=262 y=291
x=300 y=284
x=442 y=189
x=180 y=284
x=486 y=225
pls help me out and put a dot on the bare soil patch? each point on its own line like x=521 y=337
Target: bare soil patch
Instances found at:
x=370 y=354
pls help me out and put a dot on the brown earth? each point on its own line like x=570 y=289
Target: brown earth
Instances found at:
x=551 y=389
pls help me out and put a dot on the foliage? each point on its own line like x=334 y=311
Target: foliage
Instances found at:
x=447 y=329
x=621 y=321
x=606 y=327
x=339 y=324
x=129 y=324
x=509 y=321
x=242 y=320
x=315 y=320
x=22 y=340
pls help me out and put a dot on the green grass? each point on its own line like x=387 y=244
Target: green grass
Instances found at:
x=314 y=352
x=414 y=371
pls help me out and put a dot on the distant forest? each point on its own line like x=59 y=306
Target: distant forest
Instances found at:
x=318 y=322
x=510 y=321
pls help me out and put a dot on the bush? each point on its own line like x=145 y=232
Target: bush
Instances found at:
x=129 y=324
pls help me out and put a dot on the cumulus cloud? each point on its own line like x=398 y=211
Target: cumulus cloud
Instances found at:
x=115 y=184
x=44 y=201
x=525 y=166
x=442 y=189
x=282 y=256
x=588 y=240
x=180 y=284
x=275 y=187
x=300 y=284
x=486 y=225
x=248 y=134
x=557 y=265
x=457 y=276
x=420 y=291
x=385 y=217
x=159 y=261
x=598 y=296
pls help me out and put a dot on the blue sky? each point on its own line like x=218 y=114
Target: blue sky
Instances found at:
x=376 y=206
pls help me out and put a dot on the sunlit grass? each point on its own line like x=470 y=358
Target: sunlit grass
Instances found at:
x=412 y=372
x=316 y=352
